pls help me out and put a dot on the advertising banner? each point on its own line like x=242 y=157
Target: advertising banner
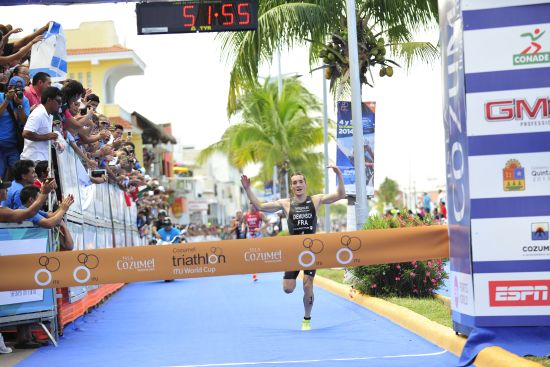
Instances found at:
x=458 y=196
x=78 y=292
x=18 y=242
x=131 y=264
x=344 y=143
x=496 y=58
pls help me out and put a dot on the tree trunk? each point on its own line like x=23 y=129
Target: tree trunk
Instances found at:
x=282 y=182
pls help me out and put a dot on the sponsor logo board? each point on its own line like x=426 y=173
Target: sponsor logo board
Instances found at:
x=489 y=4
x=506 y=239
x=508 y=112
x=524 y=48
x=462 y=293
x=512 y=294
x=495 y=176
x=520 y=293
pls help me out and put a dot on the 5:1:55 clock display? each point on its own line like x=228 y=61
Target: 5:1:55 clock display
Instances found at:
x=197 y=16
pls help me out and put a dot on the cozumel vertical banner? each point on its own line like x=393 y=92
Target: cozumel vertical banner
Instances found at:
x=344 y=142
x=133 y=264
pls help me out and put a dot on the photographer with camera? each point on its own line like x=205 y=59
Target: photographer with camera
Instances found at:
x=22 y=71
x=14 y=109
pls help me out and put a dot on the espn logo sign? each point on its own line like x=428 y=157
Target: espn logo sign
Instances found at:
x=519 y=293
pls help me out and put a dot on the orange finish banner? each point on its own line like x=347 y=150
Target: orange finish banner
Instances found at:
x=134 y=264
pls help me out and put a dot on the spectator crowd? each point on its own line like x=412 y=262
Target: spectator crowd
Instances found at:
x=39 y=118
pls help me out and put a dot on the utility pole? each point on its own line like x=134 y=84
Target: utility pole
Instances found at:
x=325 y=133
x=361 y=203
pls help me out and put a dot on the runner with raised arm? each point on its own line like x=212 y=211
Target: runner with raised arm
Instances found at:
x=301 y=214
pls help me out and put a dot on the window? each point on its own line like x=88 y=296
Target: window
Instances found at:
x=80 y=77
x=89 y=79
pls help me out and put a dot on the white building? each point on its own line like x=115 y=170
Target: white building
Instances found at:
x=212 y=191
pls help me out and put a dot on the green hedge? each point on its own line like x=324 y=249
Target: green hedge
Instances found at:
x=409 y=279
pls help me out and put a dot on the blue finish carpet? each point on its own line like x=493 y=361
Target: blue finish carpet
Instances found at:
x=233 y=321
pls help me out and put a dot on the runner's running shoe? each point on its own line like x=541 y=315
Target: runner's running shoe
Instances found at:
x=306 y=325
x=5 y=350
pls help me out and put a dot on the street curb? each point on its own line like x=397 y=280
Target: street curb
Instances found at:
x=438 y=334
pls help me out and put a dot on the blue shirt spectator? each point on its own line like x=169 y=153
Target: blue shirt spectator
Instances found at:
x=37 y=217
x=24 y=174
x=8 y=136
x=13 y=115
x=13 y=201
x=427 y=203
x=169 y=235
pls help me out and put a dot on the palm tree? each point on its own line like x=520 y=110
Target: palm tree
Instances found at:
x=275 y=131
x=284 y=24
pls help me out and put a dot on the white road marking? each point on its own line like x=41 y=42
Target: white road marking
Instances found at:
x=312 y=360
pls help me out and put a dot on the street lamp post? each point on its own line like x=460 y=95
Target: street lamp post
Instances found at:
x=325 y=133
x=361 y=204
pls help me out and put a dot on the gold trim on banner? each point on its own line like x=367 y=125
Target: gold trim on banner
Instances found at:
x=192 y=260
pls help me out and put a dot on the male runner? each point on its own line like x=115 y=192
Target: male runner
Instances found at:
x=301 y=213
x=253 y=223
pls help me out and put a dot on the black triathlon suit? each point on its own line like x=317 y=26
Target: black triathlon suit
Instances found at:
x=302 y=219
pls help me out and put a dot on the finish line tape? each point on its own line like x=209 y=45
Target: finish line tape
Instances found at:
x=144 y=263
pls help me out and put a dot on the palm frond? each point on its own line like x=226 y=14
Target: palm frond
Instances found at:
x=415 y=51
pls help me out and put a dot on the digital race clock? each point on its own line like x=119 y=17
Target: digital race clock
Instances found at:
x=196 y=16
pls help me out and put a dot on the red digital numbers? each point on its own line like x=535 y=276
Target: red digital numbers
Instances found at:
x=189 y=17
x=243 y=13
x=227 y=13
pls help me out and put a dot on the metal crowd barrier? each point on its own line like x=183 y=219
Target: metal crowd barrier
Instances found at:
x=99 y=218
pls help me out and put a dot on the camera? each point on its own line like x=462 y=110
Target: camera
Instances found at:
x=98 y=172
x=18 y=91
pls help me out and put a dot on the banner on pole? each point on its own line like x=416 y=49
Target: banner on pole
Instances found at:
x=344 y=143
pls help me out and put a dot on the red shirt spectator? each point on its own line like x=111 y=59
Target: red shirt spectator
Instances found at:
x=32 y=95
x=443 y=210
x=33 y=92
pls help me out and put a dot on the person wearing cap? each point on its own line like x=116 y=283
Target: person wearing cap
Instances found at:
x=8 y=215
x=14 y=109
x=168 y=232
x=157 y=225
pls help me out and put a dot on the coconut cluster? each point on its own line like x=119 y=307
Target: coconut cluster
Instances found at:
x=372 y=53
